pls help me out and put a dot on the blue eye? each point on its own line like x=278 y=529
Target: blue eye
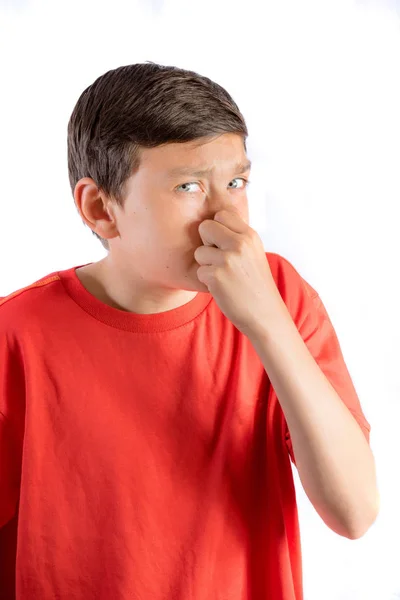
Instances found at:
x=187 y=184
x=246 y=183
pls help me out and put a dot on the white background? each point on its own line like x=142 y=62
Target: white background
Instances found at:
x=319 y=85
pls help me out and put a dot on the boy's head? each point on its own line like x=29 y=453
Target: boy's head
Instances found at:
x=129 y=136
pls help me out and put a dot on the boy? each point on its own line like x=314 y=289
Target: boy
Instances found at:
x=151 y=402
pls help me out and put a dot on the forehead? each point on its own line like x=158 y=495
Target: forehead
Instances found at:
x=199 y=157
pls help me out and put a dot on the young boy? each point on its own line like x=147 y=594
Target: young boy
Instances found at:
x=151 y=402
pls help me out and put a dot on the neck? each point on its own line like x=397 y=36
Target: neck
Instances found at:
x=120 y=289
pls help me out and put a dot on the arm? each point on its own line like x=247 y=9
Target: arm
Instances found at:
x=333 y=458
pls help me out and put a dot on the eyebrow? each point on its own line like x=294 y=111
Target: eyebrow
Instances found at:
x=238 y=168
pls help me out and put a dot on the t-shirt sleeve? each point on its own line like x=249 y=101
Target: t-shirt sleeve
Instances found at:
x=8 y=473
x=11 y=428
x=320 y=337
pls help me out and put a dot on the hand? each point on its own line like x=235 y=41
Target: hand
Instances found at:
x=235 y=269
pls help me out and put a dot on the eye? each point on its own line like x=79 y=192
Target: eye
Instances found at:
x=186 y=185
x=245 y=181
x=187 y=190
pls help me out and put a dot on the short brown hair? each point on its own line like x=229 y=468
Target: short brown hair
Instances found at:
x=142 y=106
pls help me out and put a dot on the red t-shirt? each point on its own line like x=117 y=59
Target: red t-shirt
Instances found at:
x=147 y=456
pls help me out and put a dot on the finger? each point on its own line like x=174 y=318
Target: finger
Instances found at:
x=213 y=233
x=231 y=219
x=205 y=275
x=208 y=255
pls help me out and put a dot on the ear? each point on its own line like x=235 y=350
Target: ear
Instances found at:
x=95 y=208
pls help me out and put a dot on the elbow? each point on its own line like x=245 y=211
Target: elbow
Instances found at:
x=352 y=523
x=359 y=527
x=355 y=533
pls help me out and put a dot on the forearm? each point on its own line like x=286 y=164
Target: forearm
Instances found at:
x=333 y=458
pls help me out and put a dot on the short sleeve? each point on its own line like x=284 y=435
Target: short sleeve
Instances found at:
x=12 y=398
x=320 y=337
x=9 y=481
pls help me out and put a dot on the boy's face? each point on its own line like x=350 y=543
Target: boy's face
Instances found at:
x=158 y=223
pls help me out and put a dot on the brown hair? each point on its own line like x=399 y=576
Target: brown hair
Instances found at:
x=142 y=106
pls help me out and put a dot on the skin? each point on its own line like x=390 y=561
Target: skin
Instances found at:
x=166 y=245
x=150 y=266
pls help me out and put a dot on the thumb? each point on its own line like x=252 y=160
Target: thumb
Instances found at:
x=205 y=238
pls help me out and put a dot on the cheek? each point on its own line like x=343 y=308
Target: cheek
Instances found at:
x=171 y=231
x=179 y=224
x=192 y=233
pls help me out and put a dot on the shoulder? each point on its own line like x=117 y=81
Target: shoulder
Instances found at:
x=287 y=277
x=301 y=298
x=23 y=304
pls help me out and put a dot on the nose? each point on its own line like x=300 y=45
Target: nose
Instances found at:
x=220 y=201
